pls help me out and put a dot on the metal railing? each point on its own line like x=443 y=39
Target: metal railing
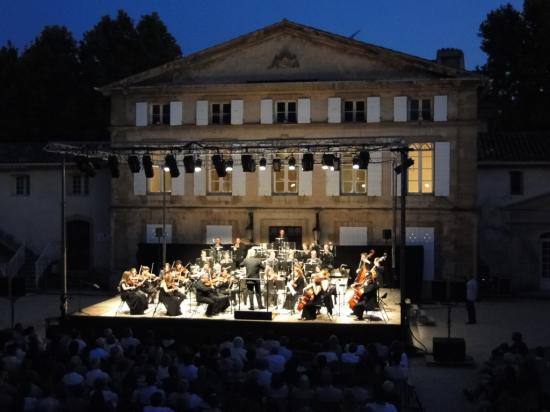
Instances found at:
x=14 y=265
x=49 y=254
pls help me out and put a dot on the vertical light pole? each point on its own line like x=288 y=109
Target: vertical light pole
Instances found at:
x=165 y=170
x=64 y=302
x=402 y=256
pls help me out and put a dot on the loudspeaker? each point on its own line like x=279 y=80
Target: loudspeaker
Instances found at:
x=449 y=349
x=386 y=234
x=252 y=315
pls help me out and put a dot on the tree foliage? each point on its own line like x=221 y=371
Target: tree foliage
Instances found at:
x=49 y=89
x=517 y=44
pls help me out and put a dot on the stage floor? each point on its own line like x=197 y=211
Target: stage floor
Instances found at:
x=389 y=313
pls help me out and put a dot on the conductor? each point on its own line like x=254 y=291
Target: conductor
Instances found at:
x=253 y=266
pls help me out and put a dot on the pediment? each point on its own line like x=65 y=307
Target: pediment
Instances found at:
x=291 y=52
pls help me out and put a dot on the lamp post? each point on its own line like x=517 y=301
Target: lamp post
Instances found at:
x=63 y=298
x=166 y=169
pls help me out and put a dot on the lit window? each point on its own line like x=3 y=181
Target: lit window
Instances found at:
x=285 y=112
x=156 y=183
x=421 y=173
x=221 y=113
x=80 y=185
x=354 y=111
x=420 y=109
x=353 y=181
x=22 y=185
x=284 y=179
x=160 y=114
x=219 y=185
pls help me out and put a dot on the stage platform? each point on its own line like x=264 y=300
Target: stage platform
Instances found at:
x=381 y=325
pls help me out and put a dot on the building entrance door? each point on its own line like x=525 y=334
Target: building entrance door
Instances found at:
x=424 y=236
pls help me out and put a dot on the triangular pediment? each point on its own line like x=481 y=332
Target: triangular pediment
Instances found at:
x=290 y=52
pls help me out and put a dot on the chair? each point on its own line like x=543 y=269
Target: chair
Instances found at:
x=120 y=305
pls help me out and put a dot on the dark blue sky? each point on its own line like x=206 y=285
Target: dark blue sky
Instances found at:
x=418 y=27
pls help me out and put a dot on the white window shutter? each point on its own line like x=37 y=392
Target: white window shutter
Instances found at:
x=237 y=112
x=178 y=183
x=238 y=178
x=140 y=183
x=141 y=114
x=442 y=168
x=264 y=181
x=373 y=109
x=305 y=180
x=199 y=181
x=400 y=109
x=176 y=114
x=440 y=108
x=266 y=111
x=304 y=111
x=332 y=183
x=374 y=174
x=201 y=115
x=334 y=110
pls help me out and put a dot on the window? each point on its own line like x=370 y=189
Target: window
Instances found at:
x=160 y=177
x=421 y=173
x=420 y=109
x=352 y=181
x=516 y=182
x=22 y=185
x=221 y=113
x=160 y=114
x=80 y=185
x=284 y=180
x=219 y=185
x=286 y=112
x=354 y=111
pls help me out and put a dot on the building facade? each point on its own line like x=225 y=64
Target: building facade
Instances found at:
x=290 y=83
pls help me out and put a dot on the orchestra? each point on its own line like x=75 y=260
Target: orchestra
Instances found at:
x=303 y=281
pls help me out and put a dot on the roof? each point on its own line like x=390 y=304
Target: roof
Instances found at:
x=514 y=147
x=12 y=153
x=286 y=26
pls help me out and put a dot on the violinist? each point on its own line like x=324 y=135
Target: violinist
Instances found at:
x=206 y=293
x=271 y=286
x=149 y=283
x=170 y=295
x=226 y=261
x=327 y=257
x=166 y=269
x=295 y=288
x=181 y=274
x=368 y=299
x=217 y=249
x=239 y=252
x=129 y=293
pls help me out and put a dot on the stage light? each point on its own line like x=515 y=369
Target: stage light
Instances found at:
x=198 y=165
x=189 y=163
x=355 y=162
x=307 y=162
x=263 y=164
x=112 y=162
x=364 y=158
x=172 y=164
x=408 y=163
x=229 y=165
x=291 y=163
x=148 y=166
x=327 y=161
x=85 y=166
x=133 y=163
x=248 y=162
x=277 y=165
x=166 y=168
x=219 y=165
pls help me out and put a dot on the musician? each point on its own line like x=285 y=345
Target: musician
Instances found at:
x=169 y=295
x=203 y=259
x=182 y=274
x=368 y=300
x=272 y=261
x=149 y=283
x=271 y=286
x=282 y=237
x=380 y=269
x=217 y=249
x=225 y=285
x=253 y=265
x=166 y=269
x=206 y=293
x=327 y=257
x=239 y=252
x=129 y=293
x=295 y=288
x=226 y=261
x=313 y=260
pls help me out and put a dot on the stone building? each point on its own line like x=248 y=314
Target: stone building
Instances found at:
x=290 y=83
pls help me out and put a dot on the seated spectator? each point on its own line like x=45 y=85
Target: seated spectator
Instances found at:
x=157 y=401
x=95 y=372
x=350 y=355
x=301 y=394
x=276 y=362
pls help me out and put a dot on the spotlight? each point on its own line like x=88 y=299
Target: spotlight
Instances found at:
x=198 y=165
x=219 y=165
x=248 y=162
x=291 y=163
x=172 y=164
x=112 y=162
x=189 y=163
x=364 y=158
x=85 y=166
x=276 y=165
x=263 y=164
x=356 y=162
x=229 y=165
x=327 y=161
x=148 y=166
x=133 y=163
x=307 y=162
x=408 y=163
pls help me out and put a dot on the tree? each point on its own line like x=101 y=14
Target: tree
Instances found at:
x=10 y=96
x=518 y=65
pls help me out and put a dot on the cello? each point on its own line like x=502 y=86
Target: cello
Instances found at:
x=359 y=290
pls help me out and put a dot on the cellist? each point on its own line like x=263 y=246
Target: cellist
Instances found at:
x=368 y=298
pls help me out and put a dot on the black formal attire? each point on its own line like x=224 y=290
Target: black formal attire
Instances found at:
x=368 y=301
x=290 y=300
x=217 y=253
x=206 y=294
x=135 y=299
x=327 y=259
x=239 y=253
x=171 y=301
x=253 y=266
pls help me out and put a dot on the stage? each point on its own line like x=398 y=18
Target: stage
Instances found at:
x=380 y=325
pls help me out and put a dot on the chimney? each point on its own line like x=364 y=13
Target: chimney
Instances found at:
x=451 y=58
